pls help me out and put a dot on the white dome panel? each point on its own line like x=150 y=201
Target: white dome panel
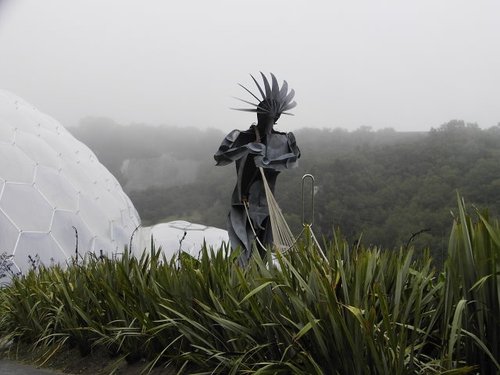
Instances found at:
x=56 y=189
x=37 y=150
x=58 y=142
x=63 y=229
x=26 y=207
x=15 y=165
x=37 y=245
x=94 y=217
x=76 y=174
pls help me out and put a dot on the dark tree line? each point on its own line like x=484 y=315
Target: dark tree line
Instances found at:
x=383 y=187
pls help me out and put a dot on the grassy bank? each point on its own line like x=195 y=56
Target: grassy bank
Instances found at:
x=357 y=311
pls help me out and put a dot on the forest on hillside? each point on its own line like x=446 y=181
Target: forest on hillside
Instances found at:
x=381 y=187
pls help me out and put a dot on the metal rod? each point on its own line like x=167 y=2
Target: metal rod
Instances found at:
x=306 y=222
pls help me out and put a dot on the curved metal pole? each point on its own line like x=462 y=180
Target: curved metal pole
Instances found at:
x=306 y=222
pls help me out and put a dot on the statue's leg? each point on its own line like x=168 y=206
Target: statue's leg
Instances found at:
x=240 y=234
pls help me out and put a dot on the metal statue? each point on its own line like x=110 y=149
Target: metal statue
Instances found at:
x=259 y=146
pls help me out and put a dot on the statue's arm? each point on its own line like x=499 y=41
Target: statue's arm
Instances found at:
x=235 y=146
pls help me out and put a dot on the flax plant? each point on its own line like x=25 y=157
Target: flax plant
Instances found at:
x=472 y=293
x=352 y=310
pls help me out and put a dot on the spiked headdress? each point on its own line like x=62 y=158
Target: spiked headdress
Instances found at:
x=275 y=100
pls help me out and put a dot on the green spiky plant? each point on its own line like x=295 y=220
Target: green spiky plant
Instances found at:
x=304 y=314
x=472 y=292
x=354 y=311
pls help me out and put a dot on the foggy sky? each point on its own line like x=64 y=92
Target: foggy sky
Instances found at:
x=409 y=65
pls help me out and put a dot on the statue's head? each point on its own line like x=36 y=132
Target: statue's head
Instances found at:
x=267 y=111
x=275 y=101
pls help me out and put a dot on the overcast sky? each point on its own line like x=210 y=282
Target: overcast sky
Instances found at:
x=409 y=65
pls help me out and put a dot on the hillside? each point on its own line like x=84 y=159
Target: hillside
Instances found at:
x=380 y=186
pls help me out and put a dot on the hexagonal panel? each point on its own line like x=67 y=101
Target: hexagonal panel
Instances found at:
x=26 y=207
x=63 y=232
x=37 y=149
x=61 y=145
x=16 y=166
x=56 y=189
x=42 y=244
x=94 y=217
x=78 y=177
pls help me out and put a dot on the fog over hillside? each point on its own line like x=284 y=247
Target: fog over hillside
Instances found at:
x=164 y=170
x=380 y=187
x=143 y=156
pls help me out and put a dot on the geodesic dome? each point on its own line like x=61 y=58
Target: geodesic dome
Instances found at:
x=180 y=235
x=51 y=187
